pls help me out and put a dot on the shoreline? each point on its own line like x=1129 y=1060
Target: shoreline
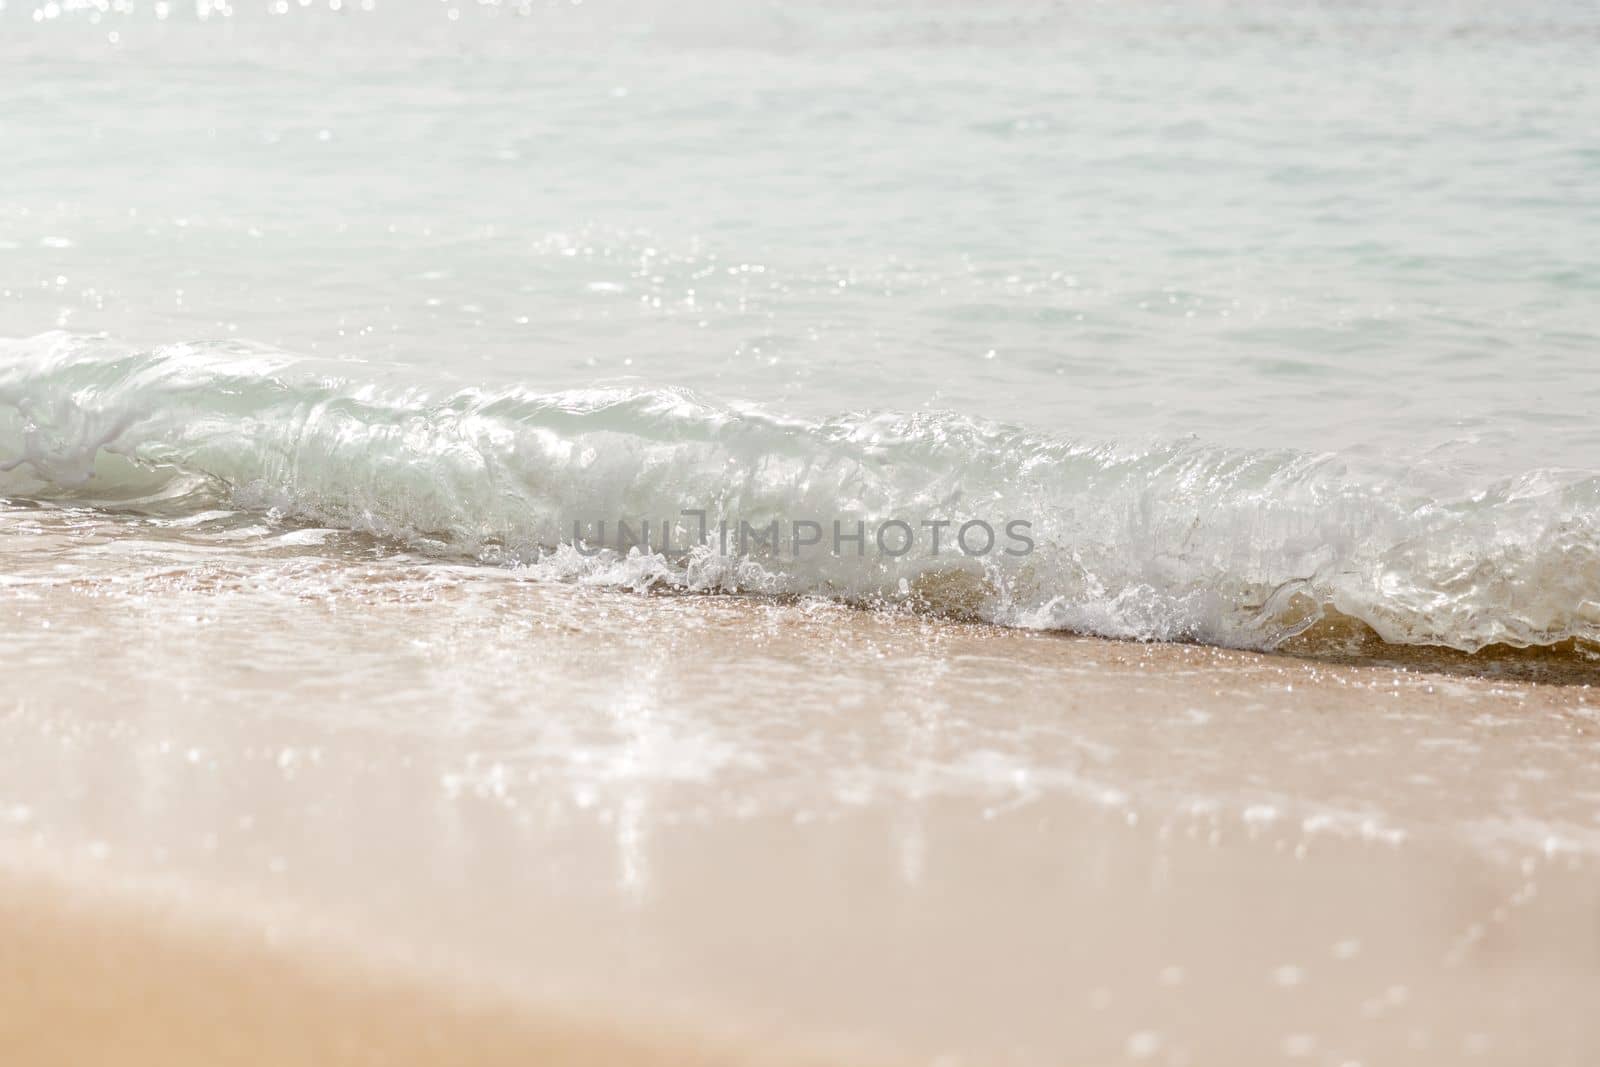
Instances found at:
x=868 y=534
x=940 y=598
x=552 y=816
x=779 y=828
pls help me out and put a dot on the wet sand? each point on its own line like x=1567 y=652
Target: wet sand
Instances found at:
x=93 y=978
x=1348 y=957
x=308 y=803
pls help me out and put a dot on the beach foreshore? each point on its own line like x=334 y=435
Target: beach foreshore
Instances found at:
x=93 y=977
x=859 y=533
x=293 y=805
x=982 y=928
x=102 y=969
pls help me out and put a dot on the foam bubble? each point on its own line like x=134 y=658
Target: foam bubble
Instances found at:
x=1175 y=541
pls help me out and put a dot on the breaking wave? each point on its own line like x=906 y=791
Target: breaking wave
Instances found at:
x=1165 y=541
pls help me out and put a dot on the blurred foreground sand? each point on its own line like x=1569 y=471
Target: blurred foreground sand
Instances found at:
x=307 y=808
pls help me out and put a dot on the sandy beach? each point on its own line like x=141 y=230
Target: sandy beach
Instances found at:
x=92 y=977
x=588 y=825
x=869 y=534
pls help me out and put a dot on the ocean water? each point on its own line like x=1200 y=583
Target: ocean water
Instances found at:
x=1253 y=314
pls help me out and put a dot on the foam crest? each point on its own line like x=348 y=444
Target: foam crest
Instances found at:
x=1167 y=541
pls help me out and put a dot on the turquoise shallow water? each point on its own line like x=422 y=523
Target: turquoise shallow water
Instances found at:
x=1239 y=303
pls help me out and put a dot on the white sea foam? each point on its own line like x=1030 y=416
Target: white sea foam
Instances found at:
x=1171 y=541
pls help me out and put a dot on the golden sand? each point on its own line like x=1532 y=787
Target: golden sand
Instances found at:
x=456 y=817
x=94 y=979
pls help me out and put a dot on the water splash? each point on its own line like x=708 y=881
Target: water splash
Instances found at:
x=1165 y=541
